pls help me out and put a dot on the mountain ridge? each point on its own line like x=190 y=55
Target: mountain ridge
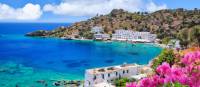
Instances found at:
x=167 y=23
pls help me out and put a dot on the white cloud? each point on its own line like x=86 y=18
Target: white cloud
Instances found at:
x=28 y=12
x=92 y=7
x=151 y=7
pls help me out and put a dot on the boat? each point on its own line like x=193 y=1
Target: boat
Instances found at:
x=66 y=38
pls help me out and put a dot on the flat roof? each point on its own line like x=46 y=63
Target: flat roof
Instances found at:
x=110 y=69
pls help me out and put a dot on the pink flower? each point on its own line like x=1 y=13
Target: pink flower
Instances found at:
x=191 y=58
x=163 y=69
x=187 y=75
x=158 y=79
x=146 y=82
x=132 y=84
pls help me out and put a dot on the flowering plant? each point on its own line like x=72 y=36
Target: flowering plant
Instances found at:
x=186 y=75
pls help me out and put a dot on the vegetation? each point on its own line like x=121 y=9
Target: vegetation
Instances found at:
x=195 y=35
x=190 y=36
x=176 y=84
x=122 y=82
x=86 y=34
x=167 y=55
x=165 y=40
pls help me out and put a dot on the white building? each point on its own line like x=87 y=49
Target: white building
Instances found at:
x=104 y=76
x=129 y=35
x=101 y=36
x=122 y=35
x=97 y=30
x=174 y=44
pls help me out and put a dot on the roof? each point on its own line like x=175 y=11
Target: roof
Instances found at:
x=110 y=69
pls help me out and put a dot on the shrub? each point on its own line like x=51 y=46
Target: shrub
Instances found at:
x=121 y=82
x=167 y=55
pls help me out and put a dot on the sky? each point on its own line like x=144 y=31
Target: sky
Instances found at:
x=70 y=11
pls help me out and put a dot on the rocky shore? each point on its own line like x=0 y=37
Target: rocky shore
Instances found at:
x=39 y=33
x=62 y=83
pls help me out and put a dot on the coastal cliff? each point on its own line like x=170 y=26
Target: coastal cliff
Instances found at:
x=168 y=23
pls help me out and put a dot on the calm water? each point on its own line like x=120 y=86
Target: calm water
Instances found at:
x=69 y=58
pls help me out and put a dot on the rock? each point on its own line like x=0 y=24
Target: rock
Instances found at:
x=115 y=12
x=56 y=84
x=38 y=33
x=41 y=81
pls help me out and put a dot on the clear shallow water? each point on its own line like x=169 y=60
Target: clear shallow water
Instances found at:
x=61 y=59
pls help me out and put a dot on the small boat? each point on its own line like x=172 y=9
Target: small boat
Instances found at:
x=66 y=38
x=108 y=41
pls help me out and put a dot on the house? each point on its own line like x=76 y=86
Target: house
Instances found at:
x=174 y=44
x=97 y=30
x=129 y=35
x=122 y=35
x=101 y=36
x=104 y=76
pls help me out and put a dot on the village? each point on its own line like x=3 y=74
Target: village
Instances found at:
x=123 y=35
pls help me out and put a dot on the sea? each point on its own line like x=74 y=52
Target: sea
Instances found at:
x=26 y=60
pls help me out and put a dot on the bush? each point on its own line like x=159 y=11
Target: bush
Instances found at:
x=86 y=34
x=165 y=40
x=177 y=84
x=167 y=55
x=121 y=82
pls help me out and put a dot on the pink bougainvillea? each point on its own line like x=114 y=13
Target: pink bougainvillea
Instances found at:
x=187 y=74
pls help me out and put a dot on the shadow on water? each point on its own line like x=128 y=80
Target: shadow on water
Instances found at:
x=75 y=63
x=109 y=61
x=68 y=61
x=133 y=53
x=50 y=62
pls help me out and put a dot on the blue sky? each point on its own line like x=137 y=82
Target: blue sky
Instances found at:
x=78 y=10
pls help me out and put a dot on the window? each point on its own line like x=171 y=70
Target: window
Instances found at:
x=89 y=82
x=127 y=71
x=139 y=37
x=116 y=73
x=95 y=77
x=108 y=74
x=102 y=76
x=123 y=71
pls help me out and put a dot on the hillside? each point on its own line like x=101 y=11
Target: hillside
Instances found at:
x=169 y=23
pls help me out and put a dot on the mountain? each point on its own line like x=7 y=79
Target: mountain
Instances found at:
x=168 y=23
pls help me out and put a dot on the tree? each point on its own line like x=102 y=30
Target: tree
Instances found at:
x=195 y=35
x=86 y=34
x=183 y=37
x=190 y=36
x=166 y=40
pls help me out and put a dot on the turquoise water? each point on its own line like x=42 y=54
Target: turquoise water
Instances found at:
x=25 y=60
